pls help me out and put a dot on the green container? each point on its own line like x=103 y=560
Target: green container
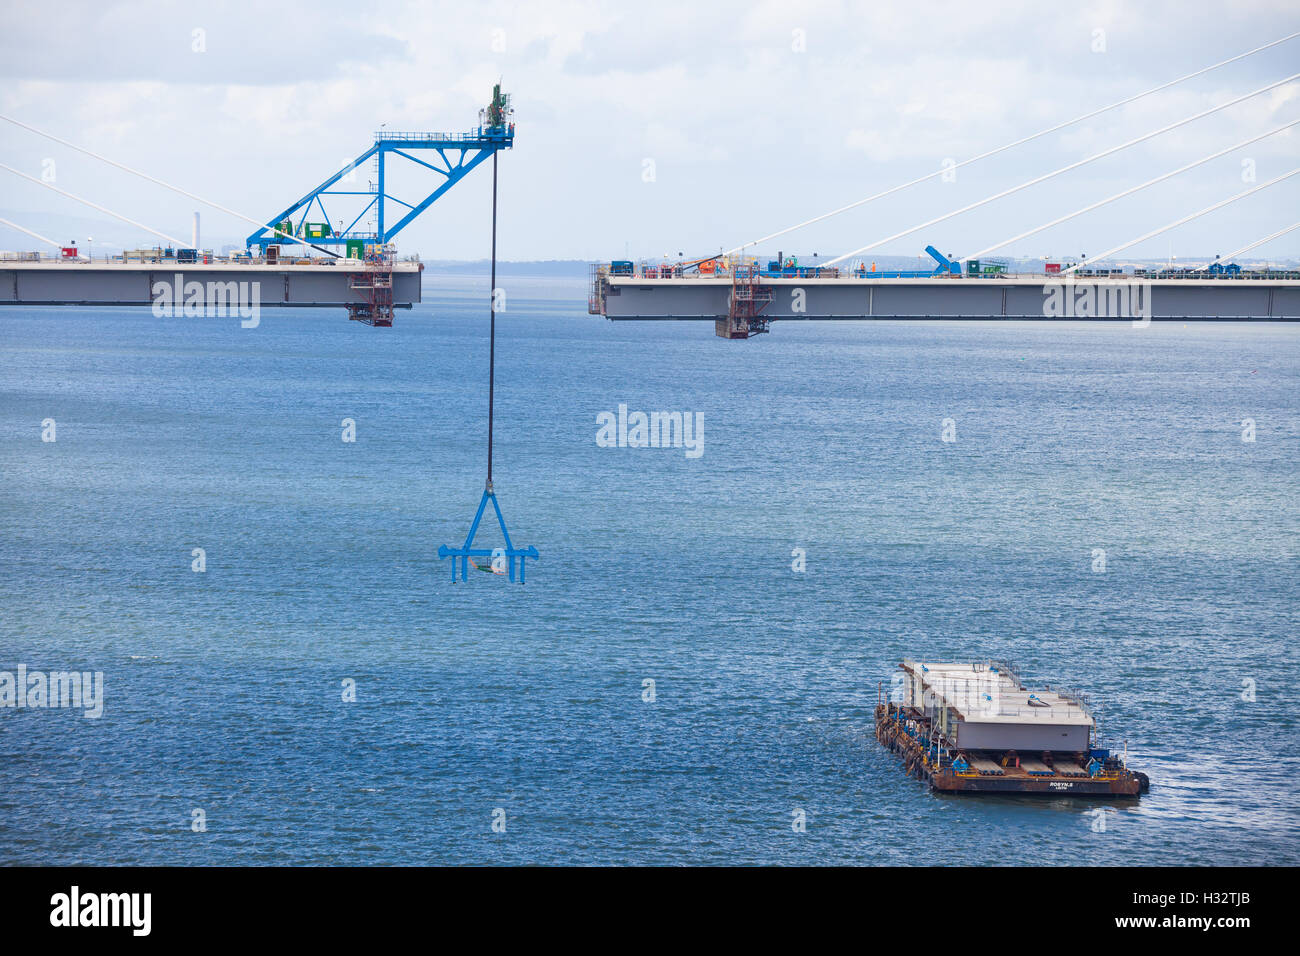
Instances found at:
x=973 y=267
x=356 y=249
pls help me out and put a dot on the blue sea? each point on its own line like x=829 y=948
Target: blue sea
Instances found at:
x=527 y=704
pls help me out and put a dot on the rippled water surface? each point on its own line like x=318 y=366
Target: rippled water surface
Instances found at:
x=223 y=688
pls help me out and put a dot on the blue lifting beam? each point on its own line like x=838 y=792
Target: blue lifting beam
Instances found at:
x=456 y=155
x=509 y=552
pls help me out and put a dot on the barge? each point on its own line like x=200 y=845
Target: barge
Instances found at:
x=976 y=728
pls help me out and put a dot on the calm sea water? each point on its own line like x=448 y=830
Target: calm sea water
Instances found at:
x=223 y=689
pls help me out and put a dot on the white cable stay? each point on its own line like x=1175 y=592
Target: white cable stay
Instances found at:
x=1186 y=219
x=1258 y=242
x=34 y=235
x=1065 y=169
x=1011 y=145
x=138 y=225
x=165 y=185
x=1128 y=192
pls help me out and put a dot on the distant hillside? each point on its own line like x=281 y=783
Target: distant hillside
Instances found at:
x=535 y=267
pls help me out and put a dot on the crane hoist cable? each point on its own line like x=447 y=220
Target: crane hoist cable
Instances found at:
x=504 y=560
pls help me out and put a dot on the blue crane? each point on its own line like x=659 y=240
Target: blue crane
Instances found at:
x=451 y=155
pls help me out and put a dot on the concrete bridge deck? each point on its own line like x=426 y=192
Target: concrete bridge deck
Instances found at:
x=958 y=297
x=100 y=283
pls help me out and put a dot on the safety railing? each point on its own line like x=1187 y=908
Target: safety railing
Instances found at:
x=481 y=133
x=814 y=272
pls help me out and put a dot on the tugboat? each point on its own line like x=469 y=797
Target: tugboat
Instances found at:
x=976 y=728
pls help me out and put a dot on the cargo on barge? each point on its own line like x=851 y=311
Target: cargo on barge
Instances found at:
x=975 y=728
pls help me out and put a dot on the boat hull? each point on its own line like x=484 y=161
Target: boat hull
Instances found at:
x=1011 y=780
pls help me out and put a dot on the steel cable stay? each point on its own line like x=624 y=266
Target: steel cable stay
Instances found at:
x=92 y=205
x=1252 y=245
x=165 y=185
x=34 y=235
x=1179 y=222
x=1128 y=192
x=1007 y=146
x=1110 y=151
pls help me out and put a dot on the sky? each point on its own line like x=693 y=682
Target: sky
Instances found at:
x=645 y=130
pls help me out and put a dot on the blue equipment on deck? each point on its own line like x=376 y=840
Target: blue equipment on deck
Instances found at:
x=945 y=264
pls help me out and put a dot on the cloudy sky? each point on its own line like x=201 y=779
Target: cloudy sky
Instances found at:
x=651 y=128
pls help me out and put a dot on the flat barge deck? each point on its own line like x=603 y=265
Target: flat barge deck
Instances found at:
x=966 y=728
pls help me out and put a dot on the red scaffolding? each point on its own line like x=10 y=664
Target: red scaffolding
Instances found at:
x=749 y=297
x=377 y=283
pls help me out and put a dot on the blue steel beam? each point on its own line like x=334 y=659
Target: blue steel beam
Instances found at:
x=453 y=178
x=471 y=149
x=945 y=264
x=264 y=236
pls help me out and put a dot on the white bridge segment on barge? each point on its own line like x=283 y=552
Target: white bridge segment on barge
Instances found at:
x=952 y=297
x=978 y=707
x=987 y=695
